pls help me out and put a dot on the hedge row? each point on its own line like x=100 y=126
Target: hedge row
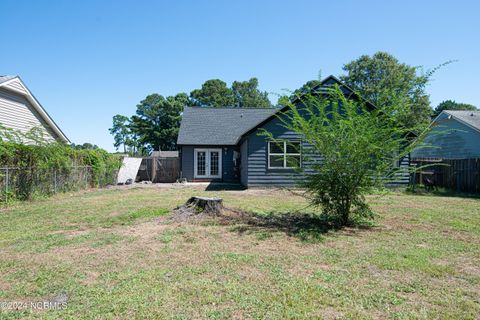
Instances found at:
x=35 y=161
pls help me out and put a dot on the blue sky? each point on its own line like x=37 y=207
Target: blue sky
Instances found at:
x=86 y=61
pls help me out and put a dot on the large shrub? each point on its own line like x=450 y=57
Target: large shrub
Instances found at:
x=360 y=148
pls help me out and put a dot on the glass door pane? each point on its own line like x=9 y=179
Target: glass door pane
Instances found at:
x=201 y=163
x=214 y=163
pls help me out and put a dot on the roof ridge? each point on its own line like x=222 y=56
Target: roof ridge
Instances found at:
x=235 y=108
x=462 y=111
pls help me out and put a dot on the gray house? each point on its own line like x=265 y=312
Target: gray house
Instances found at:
x=21 y=111
x=223 y=144
x=454 y=135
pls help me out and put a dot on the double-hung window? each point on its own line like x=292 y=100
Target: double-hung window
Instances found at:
x=284 y=154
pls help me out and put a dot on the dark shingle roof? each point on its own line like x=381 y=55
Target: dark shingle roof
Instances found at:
x=219 y=126
x=471 y=118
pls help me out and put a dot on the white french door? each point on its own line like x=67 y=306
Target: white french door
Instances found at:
x=208 y=163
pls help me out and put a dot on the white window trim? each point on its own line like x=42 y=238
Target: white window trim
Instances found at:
x=284 y=155
x=207 y=163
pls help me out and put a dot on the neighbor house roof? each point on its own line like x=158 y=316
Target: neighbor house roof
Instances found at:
x=20 y=88
x=219 y=126
x=470 y=118
x=6 y=78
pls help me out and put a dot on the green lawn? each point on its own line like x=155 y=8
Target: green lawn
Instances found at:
x=114 y=258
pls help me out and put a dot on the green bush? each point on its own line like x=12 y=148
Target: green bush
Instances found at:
x=34 y=168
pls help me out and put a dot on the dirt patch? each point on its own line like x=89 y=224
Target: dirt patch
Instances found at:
x=329 y=313
x=144 y=230
x=71 y=233
x=91 y=277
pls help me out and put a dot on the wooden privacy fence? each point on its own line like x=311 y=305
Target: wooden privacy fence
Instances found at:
x=457 y=174
x=157 y=169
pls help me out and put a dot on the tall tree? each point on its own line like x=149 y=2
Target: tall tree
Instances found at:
x=120 y=131
x=157 y=121
x=452 y=105
x=214 y=93
x=247 y=94
x=395 y=87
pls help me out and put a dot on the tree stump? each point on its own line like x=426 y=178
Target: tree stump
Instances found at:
x=213 y=206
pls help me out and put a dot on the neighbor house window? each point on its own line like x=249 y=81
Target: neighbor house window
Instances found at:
x=283 y=154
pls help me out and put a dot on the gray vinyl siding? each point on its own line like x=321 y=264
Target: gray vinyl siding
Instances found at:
x=18 y=114
x=244 y=163
x=450 y=139
x=260 y=176
x=186 y=155
x=402 y=178
x=258 y=172
x=228 y=170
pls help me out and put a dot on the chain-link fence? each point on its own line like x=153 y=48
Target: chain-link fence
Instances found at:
x=28 y=183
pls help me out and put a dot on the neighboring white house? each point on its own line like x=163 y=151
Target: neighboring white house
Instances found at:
x=21 y=111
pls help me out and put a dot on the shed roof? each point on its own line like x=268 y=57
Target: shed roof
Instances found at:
x=219 y=126
x=470 y=118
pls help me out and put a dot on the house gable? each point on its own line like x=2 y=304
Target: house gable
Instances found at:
x=325 y=83
x=20 y=110
x=18 y=114
x=450 y=138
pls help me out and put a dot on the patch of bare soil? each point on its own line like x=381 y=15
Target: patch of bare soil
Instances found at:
x=144 y=230
x=71 y=233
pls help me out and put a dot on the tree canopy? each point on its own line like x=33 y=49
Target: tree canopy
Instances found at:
x=452 y=105
x=242 y=94
x=213 y=93
x=396 y=88
x=85 y=146
x=247 y=95
x=157 y=121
